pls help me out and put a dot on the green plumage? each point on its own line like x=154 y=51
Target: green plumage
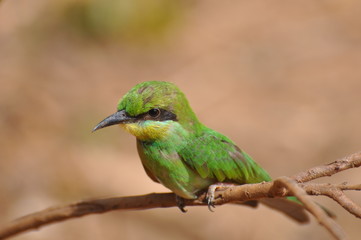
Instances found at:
x=214 y=156
x=188 y=164
x=178 y=151
x=191 y=156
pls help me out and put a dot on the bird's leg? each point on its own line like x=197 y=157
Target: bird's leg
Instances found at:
x=211 y=190
x=180 y=203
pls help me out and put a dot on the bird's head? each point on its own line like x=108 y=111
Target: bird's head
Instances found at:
x=151 y=109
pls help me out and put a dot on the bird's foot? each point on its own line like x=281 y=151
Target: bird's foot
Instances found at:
x=180 y=203
x=212 y=189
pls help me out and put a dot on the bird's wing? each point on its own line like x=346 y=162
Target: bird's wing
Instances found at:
x=213 y=155
x=150 y=174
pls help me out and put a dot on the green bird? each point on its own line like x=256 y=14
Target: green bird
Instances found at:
x=181 y=153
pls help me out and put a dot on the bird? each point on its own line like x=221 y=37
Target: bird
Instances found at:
x=181 y=153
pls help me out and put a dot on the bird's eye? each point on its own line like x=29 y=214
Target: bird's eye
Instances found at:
x=155 y=112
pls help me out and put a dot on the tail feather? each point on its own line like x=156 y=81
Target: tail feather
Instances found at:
x=290 y=208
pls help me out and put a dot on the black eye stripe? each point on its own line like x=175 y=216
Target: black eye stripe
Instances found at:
x=166 y=115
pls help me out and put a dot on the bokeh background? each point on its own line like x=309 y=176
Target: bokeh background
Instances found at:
x=280 y=78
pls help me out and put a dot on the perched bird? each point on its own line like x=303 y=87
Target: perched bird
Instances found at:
x=181 y=153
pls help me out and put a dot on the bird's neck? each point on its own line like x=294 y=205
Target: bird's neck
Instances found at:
x=149 y=131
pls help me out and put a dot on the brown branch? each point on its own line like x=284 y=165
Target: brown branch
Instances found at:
x=61 y=213
x=281 y=187
x=350 y=161
x=344 y=201
x=312 y=207
x=336 y=193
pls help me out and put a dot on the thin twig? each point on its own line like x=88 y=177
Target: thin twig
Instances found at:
x=340 y=197
x=350 y=161
x=324 y=188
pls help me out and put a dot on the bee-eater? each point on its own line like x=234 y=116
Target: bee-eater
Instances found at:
x=181 y=153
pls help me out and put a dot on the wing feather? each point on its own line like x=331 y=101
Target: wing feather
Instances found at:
x=213 y=155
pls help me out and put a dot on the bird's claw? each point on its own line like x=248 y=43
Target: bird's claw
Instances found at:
x=212 y=189
x=211 y=204
x=210 y=197
x=180 y=203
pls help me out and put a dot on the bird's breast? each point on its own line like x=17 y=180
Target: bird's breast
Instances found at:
x=163 y=163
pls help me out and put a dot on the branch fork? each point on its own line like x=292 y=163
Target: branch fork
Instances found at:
x=298 y=185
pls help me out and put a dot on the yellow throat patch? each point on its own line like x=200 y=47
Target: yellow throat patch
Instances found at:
x=147 y=130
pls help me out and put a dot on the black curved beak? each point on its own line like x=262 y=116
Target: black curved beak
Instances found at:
x=116 y=118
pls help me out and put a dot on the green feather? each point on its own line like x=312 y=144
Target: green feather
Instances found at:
x=187 y=157
x=213 y=155
x=192 y=156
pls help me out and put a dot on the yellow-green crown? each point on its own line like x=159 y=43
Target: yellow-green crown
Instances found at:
x=155 y=94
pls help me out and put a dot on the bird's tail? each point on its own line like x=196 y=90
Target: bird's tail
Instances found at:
x=292 y=207
x=288 y=207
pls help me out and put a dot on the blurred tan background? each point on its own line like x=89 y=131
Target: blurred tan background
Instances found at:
x=280 y=78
